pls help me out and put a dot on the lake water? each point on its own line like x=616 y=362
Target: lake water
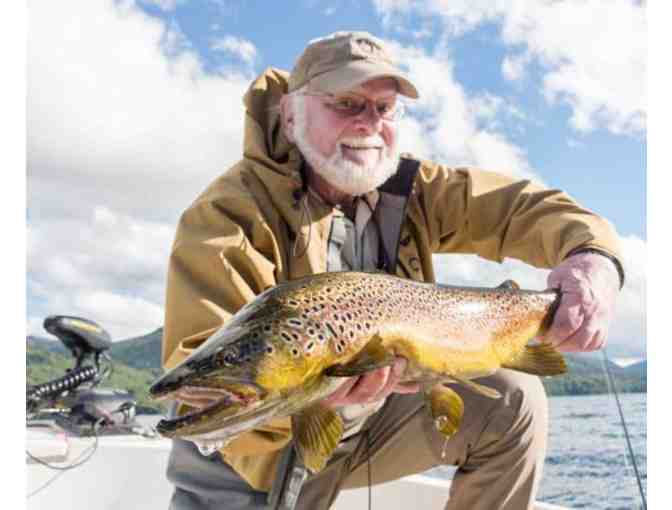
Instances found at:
x=586 y=463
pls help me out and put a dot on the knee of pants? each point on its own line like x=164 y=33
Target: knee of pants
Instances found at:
x=522 y=412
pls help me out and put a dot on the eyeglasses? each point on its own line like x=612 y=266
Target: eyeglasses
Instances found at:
x=353 y=105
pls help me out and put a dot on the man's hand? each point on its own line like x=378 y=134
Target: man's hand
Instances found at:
x=589 y=283
x=372 y=386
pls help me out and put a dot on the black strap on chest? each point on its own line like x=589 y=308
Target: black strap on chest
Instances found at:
x=389 y=220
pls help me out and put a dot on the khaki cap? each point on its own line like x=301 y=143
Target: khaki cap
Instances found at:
x=345 y=60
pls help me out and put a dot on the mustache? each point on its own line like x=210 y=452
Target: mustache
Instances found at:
x=373 y=140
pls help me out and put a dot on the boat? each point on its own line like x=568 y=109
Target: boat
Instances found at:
x=127 y=471
x=88 y=448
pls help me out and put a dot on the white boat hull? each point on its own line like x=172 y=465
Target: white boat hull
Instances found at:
x=128 y=473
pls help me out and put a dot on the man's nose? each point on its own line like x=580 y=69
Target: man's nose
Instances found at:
x=370 y=120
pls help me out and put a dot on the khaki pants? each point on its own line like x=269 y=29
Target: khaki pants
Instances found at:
x=499 y=449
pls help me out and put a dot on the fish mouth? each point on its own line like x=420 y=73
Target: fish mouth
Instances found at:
x=209 y=408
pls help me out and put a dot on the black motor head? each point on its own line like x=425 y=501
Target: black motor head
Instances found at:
x=81 y=336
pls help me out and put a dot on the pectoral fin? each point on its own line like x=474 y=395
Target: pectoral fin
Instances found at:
x=538 y=359
x=317 y=431
x=447 y=409
x=371 y=357
x=477 y=388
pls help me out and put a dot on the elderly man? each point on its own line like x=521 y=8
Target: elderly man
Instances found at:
x=321 y=187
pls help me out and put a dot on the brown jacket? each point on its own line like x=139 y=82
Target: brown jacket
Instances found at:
x=236 y=240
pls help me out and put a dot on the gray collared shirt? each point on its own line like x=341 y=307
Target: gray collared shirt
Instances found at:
x=354 y=246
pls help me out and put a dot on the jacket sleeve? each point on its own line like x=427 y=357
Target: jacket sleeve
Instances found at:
x=496 y=216
x=213 y=270
x=215 y=267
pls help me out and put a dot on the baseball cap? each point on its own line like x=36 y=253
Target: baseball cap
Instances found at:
x=344 y=60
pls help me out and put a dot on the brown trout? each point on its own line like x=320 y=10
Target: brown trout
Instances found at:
x=289 y=348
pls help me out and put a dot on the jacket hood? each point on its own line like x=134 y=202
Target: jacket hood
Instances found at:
x=264 y=142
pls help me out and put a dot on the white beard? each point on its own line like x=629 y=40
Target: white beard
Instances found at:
x=346 y=176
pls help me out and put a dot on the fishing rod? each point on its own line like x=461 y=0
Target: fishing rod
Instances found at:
x=633 y=461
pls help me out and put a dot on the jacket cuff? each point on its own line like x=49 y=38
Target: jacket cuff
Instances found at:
x=616 y=262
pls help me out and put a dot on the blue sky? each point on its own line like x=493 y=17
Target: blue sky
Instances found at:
x=133 y=107
x=563 y=157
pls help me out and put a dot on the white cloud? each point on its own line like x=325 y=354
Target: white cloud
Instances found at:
x=121 y=136
x=241 y=48
x=392 y=11
x=173 y=40
x=592 y=54
x=83 y=266
x=513 y=66
x=629 y=328
x=490 y=109
x=486 y=106
x=164 y=5
x=444 y=123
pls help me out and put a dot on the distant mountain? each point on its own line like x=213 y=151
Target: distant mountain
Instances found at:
x=139 y=352
x=635 y=370
x=48 y=344
x=142 y=356
x=586 y=375
x=43 y=365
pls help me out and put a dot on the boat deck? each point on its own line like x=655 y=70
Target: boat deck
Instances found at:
x=128 y=472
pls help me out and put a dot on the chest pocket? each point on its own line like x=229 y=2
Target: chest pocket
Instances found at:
x=408 y=262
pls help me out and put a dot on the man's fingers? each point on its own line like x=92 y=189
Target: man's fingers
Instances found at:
x=393 y=377
x=370 y=385
x=585 y=340
x=568 y=319
x=589 y=336
x=342 y=392
x=406 y=388
x=373 y=386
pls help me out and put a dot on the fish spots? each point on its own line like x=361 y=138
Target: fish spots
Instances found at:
x=339 y=346
x=331 y=329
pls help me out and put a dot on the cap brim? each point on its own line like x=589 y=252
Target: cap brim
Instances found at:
x=356 y=73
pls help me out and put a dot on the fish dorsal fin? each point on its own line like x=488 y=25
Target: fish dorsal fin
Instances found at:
x=477 y=388
x=371 y=357
x=317 y=431
x=509 y=284
x=538 y=359
x=447 y=409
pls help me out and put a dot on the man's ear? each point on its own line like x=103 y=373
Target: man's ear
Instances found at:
x=287 y=117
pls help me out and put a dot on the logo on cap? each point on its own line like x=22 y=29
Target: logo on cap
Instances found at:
x=367 y=46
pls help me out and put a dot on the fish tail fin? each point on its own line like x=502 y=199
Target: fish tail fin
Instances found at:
x=538 y=359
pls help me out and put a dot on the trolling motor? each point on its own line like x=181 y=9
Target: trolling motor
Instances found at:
x=84 y=410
